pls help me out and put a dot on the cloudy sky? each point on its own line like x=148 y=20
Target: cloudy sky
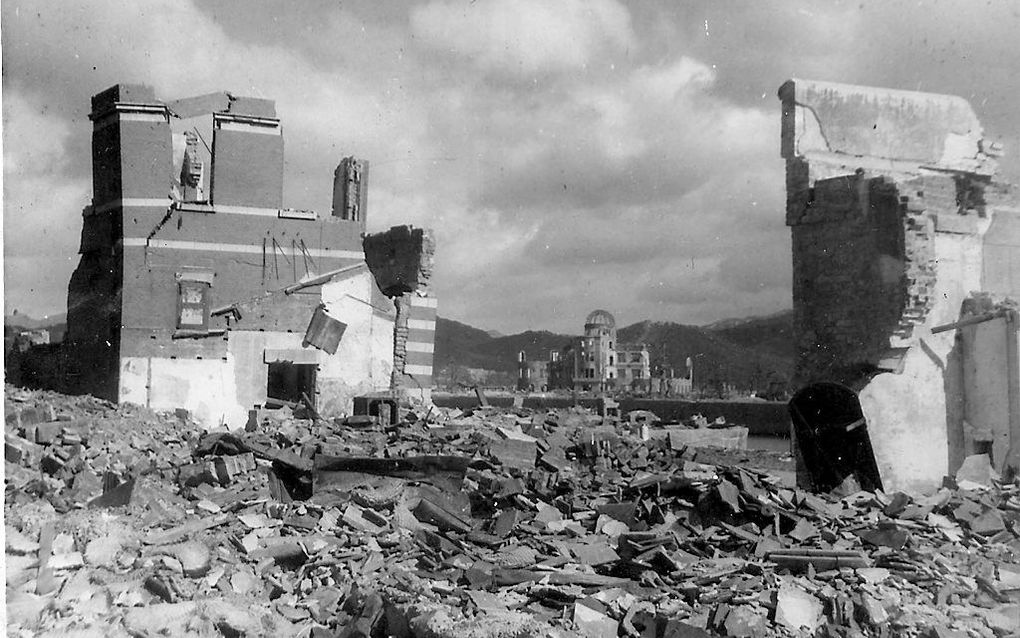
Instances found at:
x=570 y=154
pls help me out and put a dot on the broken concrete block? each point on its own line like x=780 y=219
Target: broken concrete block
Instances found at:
x=354 y=516
x=18 y=543
x=46 y=433
x=429 y=512
x=594 y=624
x=85 y=486
x=679 y=629
x=31 y=416
x=746 y=621
x=103 y=551
x=885 y=537
x=977 y=470
x=62 y=543
x=25 y=609
x=988 y=523
x=796 y=608
x=515 y=453
x=69 y=560
x=1009 y=578
x=20 y=451
x=229 y=468
x=873 y=575
x=872 y=611
x=116 y=496
x=194 y=558
x=207 y=506
x=594 y=554
x=197 y=474
x=51 y=464
x=161 y=619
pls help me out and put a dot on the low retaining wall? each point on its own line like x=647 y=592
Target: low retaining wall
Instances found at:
x=761 y=418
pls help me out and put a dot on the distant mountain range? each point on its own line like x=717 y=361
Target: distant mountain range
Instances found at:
x=30 y=323
x=748 y=352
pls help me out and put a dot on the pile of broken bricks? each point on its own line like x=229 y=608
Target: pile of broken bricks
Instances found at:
x=489 y=522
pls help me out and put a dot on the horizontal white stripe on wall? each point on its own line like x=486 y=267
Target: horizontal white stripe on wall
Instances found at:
x=115 y=117
x=173 y=244
x=244 y=127
x=421 y=324
x=424 y=302
x=414 y=346
x=127 y=202
x=418 y=370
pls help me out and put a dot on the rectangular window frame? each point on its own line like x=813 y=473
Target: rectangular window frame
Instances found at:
x=194 y=298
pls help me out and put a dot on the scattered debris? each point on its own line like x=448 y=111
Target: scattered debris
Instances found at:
x=489 y=522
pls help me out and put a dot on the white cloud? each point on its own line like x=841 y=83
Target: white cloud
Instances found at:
x=40 y=202
x=525 y=36
x=561 y=165
x=57 y=56
x=42 y=208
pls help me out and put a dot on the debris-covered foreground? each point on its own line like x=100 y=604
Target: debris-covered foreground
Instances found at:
x=497 y=523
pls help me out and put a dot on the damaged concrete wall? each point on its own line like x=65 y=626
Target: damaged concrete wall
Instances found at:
x=131 y=158
x=180 y=303
x=370 y=323
x=401 y=260
x=890 y=196
x=990 y=358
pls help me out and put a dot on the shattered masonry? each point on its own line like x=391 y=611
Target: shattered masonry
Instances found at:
x=401 y=261
x=198 y=289
x=896 y=219
x=485 y=523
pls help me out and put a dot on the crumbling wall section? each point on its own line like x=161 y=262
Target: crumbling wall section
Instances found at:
x=130 y=164
x=848 y=247
x=401 y=260
x=363 y=363
x=889 y=197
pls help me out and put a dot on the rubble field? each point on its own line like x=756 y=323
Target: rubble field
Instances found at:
x=486 y=523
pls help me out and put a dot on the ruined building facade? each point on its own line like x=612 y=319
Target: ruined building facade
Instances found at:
x=197 y=288
x=595 y=361
x=898 y=226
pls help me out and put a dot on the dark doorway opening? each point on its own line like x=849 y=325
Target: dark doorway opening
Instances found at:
x=289 y=381
x=832 y=437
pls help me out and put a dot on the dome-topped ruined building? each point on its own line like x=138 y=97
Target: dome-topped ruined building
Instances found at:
x=597 y=360
x=599 y=320
x=594 y=361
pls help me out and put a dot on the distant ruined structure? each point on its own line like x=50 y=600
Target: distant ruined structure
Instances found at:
x=197 y=288
x=904 y=245
x=595 y=361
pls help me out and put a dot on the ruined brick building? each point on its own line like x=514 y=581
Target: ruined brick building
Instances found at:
x=900 y=230
x=594 y=361
x=197 y=288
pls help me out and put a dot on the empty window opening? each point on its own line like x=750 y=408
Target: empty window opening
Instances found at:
x=193 y=305
x=289 y=381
